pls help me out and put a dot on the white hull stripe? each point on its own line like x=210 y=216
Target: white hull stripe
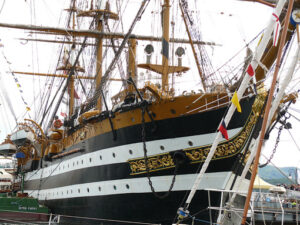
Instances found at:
x=123 y=153
x=218 y=180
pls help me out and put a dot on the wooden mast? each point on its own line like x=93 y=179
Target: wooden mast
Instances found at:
x=99 y=15
x=72 y=83
x=165 y=69
x=165 y=46
x=132 y=64
x=266 y=114
x=99 y=60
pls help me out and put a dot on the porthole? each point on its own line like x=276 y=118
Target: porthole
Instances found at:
x=162 y=147
x=78 y=190
x=100 y=157
x=73 y=164
x=88 y=190
x=62 y=193
x=99 y=188
x=190 y=143
x=130 y=151
x=115 y=187
x=90 y=159
x=67 y=192
x=127 y=186
x=173 y=111
x=81 y=161
x=114 y=155
x=77 y=162
x=71 y=191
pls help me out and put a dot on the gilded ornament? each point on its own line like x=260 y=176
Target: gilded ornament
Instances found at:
x=225 y=149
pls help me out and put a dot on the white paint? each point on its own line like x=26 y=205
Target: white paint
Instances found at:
x=122 y=154
x=217 y=180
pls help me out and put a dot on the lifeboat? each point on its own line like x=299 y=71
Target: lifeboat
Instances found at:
x=7 y=149
x=88 y=115
x=56 y=135
x=21 y=137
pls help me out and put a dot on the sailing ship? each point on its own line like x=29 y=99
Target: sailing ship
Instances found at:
x=132 y=158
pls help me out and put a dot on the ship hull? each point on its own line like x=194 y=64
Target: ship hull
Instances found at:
x=108 y=179
x=135 y=208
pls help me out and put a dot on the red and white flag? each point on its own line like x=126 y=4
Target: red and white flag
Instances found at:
x=277 y=27
x=250 y=70
x=223 y=130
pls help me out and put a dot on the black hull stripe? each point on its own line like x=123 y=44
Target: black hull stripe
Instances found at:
x=142 y=207
x=182 y=126
x=121 y=171
x=107 y=172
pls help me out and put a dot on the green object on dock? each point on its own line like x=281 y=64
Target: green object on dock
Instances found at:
x=21 y=204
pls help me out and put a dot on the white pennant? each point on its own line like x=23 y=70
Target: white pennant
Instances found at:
x=277 y=28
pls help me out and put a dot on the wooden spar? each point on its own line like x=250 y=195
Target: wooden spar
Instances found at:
x=165 y=46
x=132 y=64
x=52 y=75
x=99 y=61
x=193 y=49
x=96 y=34
x=266 y=114
x=57 y=41
x=71 y=88
x=64 y=42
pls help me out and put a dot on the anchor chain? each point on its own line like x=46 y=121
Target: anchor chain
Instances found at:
x=146 y=160
x=274 y=149
x=283 y=125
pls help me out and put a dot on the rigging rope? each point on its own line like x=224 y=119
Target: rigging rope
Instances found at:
x=71 y=72
x=2 y=6
x=105 y=77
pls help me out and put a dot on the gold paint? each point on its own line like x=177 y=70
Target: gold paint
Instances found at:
x=297 y=15
x=163 y=161
x=225 y=149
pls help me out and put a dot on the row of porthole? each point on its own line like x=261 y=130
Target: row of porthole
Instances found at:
x=90 y=159
x=190 y=143
x=88 y=190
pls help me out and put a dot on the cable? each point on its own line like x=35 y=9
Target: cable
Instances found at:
x=2 y=6
x=294 y=140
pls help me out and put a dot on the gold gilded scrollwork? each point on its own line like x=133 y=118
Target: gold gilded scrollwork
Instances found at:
x=198 y=154
x=158 y=162
x=225 y=149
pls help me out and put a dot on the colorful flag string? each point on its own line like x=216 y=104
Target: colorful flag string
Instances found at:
x=19 y=87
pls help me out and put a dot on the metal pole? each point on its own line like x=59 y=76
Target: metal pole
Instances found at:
x=209 y=205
